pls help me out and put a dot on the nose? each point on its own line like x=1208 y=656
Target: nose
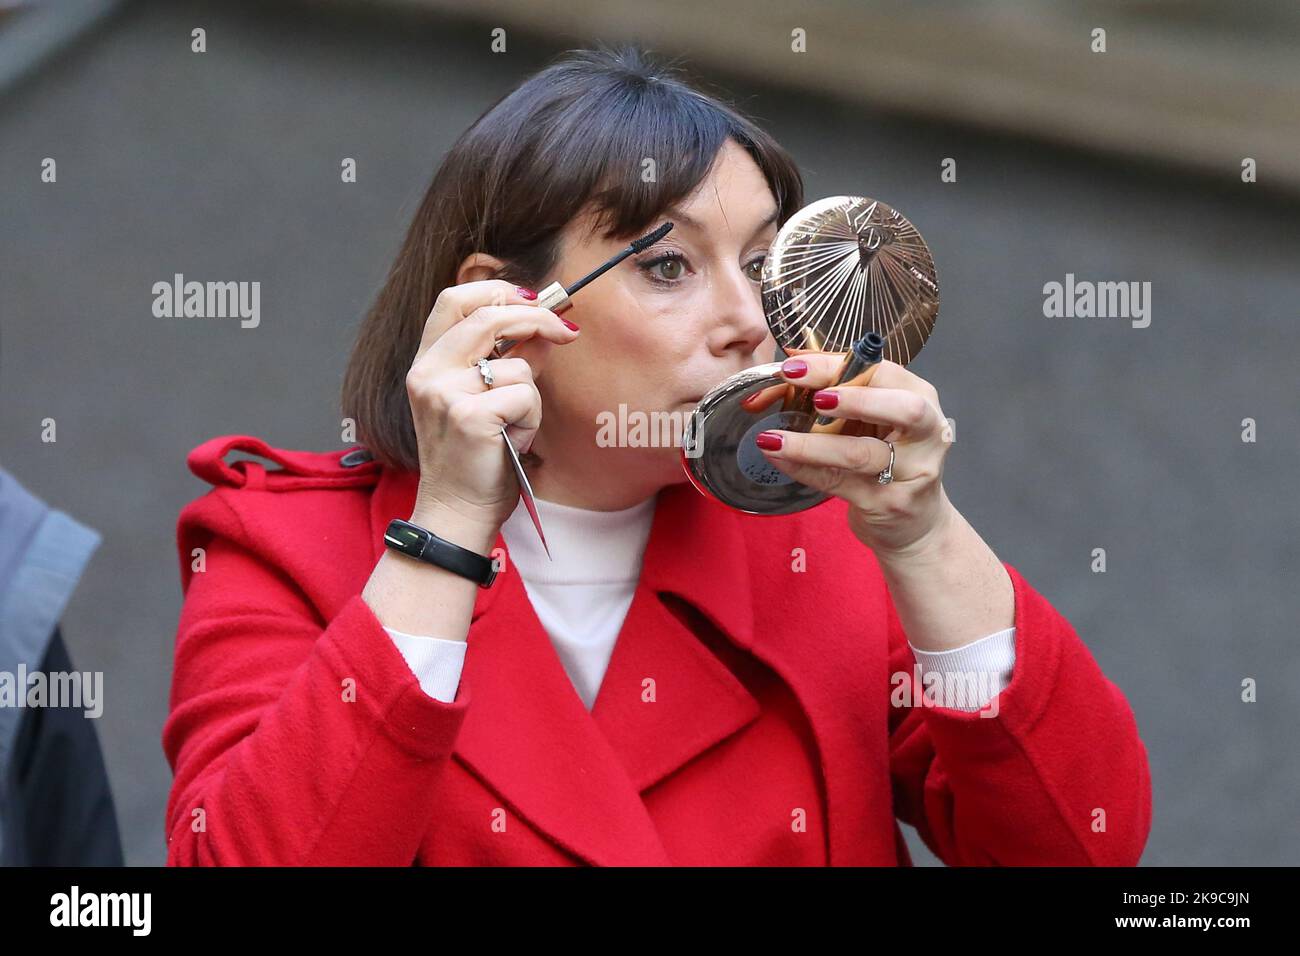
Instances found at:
x=740 y=325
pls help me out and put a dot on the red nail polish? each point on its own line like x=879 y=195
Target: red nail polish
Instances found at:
x=569 y=324
x=769 y=441
x=826 y=399
x=525 y=293
x=794 y=368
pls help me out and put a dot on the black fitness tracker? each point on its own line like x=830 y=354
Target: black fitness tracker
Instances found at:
x=424 y=545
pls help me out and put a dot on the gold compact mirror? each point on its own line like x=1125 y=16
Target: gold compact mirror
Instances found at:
x=838 y=270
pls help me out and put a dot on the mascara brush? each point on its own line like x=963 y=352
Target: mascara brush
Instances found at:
x=556 y=297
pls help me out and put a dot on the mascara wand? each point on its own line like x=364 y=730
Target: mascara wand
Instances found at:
x=556 y=297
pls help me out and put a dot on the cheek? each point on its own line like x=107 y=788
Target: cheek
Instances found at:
x=584 y=386
x=639 y=352
x=648 y=353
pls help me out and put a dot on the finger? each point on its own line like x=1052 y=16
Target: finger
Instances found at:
x=812 y=369
x=535 y=351
x=765 y=397
x=825 y=461
x=446 y=389
x=456 y=302
x=821 y=369
x=893 y=375
x=488 y=412
x=475 y=336
x=906 y=411
x=506 y=371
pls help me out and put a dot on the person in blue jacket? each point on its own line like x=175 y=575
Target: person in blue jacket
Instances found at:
x=56 y=806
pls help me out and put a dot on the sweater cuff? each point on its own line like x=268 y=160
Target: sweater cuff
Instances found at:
x=986 y=666
x=435 y=662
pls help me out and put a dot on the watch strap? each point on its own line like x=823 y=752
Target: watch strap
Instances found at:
x=424 y=545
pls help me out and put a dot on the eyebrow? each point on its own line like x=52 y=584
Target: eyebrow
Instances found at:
x=677 y=215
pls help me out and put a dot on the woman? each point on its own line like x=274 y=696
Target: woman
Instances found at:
x=682 y=684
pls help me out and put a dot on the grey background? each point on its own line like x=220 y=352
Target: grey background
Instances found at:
x=1072 y=434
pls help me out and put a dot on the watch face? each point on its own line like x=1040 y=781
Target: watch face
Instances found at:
x=404 y=537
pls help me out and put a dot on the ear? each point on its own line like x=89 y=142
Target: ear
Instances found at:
x=479 y=266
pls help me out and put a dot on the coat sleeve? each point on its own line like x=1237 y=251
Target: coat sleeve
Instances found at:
x=292 y=740
x=1058 y=777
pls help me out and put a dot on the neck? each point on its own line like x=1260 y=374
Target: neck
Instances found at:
x=585 y=491
x=592 y=487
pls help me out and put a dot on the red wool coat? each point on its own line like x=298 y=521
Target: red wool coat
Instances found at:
x=298 y=734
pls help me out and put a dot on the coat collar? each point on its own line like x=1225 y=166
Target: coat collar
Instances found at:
x=664 y=700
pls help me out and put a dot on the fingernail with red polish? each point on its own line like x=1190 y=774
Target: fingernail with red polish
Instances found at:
x=826 y=399
x=768 y=441
x=794 y=368
x=525 y=293
x=571 y=326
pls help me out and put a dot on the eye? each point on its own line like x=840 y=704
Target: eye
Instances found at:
x=755 y=269
x=670 y=268
x=665 y=269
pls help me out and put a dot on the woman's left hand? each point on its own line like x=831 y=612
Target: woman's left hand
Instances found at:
x=897 y=518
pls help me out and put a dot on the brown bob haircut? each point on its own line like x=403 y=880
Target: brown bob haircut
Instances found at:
x=571 y=138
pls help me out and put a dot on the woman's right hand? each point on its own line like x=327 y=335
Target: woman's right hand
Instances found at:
x=464 y=469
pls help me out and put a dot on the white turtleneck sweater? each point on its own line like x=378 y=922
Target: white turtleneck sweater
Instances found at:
x=582 y=597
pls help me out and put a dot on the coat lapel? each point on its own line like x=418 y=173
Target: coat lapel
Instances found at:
x=665 y=699
x=836 y=664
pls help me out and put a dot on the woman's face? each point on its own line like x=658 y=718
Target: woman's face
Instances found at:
x=658 y=331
